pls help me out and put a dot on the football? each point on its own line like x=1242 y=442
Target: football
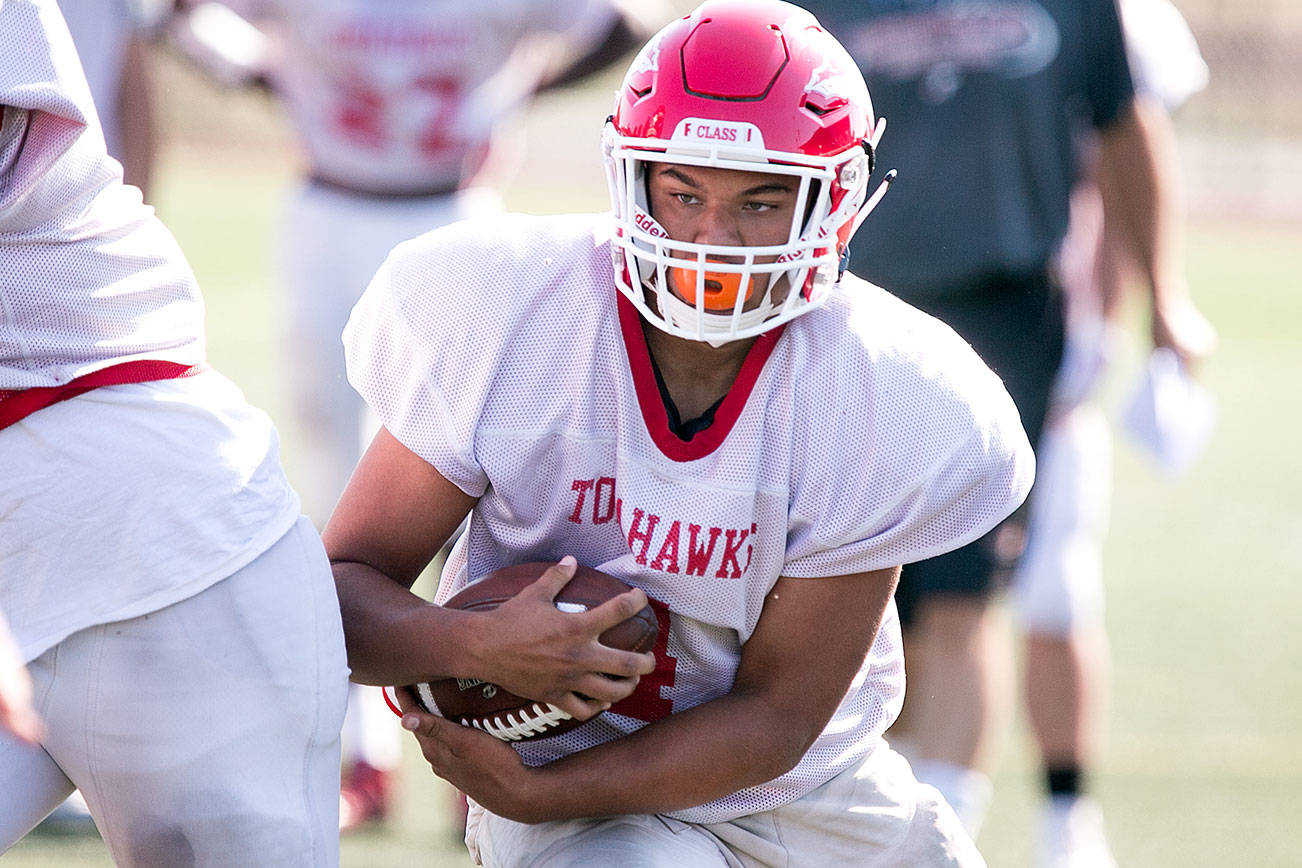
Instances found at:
x=500 y=713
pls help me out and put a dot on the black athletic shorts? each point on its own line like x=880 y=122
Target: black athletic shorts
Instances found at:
x=1015 y=323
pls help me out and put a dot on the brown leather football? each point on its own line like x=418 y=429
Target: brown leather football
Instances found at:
x=510 y=717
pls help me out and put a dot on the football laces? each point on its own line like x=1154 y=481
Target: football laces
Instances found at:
x=508 y=728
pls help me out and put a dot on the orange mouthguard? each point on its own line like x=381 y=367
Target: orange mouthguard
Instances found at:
x=721 y=288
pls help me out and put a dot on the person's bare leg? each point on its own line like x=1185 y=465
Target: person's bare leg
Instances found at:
x=959 y=671
x=1066 y=694
x=1066 y=685
x=135 y=111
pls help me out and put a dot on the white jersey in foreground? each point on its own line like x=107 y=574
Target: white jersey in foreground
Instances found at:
x=862 y=436
x=88 y=276
x=404 y=97
x=128 y=498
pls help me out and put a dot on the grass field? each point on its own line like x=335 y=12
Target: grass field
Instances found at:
x=1203 y=765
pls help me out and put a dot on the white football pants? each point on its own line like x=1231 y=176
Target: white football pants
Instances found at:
x=205 y=733
x=1059 y=580
x=875 y=815
x=333 y=243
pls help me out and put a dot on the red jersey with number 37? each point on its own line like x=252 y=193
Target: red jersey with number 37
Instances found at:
x=863 y=435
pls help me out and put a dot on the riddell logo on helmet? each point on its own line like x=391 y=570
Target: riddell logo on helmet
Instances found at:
x=648 y=225
x=721 y=132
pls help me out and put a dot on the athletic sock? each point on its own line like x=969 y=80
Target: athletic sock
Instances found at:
x=1064 y=781
x=968 y=791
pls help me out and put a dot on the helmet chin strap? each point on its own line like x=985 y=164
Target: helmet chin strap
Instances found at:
x=715 y=327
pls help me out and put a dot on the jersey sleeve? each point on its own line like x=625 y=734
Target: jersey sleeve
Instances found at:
x=47 y=119
x=409 y=346
x=1165 y=61
x=926 y=453
x=43 y=93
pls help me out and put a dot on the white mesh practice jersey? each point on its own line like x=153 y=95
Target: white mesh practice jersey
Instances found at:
x=88 y=276
x=864 y=435
x=128 y=498
x=405 y=95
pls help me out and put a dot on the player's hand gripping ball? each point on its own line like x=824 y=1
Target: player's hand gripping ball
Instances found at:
x=505 y=715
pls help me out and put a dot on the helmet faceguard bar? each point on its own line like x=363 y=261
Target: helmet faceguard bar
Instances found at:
x=810 y=247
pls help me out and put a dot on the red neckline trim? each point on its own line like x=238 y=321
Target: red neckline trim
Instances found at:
x=653 y=408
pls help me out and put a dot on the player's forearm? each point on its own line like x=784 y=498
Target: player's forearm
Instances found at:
x=759 y=730
x=1140 y=185
x=394 y=636
x=17 y=715
x=688 y=759
x=629 y=29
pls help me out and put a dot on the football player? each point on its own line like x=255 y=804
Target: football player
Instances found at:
x=692 y=395
x=174 y=610
x=991 y=99
x=404 y=112
x=1058 y=587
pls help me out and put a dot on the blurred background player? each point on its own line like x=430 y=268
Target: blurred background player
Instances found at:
x=1058 y=583
x=987 y=102
x=407 y=114
x=174 y=609
x=112 y=39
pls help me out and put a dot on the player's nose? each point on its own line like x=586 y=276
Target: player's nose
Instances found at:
x=718 y=225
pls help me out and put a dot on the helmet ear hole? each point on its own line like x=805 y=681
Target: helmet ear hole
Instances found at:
x=811 y=204
x=642 y=177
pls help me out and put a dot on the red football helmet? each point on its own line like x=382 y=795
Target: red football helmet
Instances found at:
x=751 y=85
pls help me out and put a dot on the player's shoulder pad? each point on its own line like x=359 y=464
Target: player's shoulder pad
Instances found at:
x=500 y=263
x=889 y=359
x=496 y=238
x=862 y=321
